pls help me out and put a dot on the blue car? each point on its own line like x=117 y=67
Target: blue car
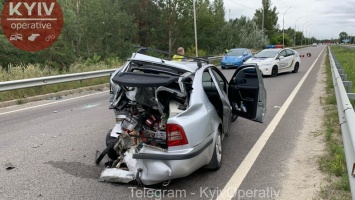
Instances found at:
x=235 y=58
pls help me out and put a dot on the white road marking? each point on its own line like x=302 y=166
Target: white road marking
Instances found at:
x=236 y=180
x=61 y=101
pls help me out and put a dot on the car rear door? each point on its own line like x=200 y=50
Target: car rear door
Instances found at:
x=291 y=57
x=247 y=93
x=222 y=88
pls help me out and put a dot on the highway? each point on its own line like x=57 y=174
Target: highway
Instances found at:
x=52 y=145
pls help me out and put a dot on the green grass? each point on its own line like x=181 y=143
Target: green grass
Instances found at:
x=346 y=58
x=34 y=71
x=333 y=163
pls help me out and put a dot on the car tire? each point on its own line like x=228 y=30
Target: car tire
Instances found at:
x=223 y=67
x=274 y=71
x=216 y=161
x=112 y=154
x=297 y=66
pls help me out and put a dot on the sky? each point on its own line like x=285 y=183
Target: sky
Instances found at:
x=322 y=19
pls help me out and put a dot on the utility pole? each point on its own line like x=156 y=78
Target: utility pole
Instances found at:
x=283 y=27
x=262 y=26
x=194 y=2
x=294 y=42
x=302 y=36
x=229 y=15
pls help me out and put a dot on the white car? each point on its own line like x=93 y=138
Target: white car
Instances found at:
x=274 y=61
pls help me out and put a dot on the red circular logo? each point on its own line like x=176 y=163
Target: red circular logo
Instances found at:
x=32 y=25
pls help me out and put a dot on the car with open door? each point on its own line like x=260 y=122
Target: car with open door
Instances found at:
x=171 y=117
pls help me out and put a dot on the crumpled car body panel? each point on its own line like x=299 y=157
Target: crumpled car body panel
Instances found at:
x=169 y=128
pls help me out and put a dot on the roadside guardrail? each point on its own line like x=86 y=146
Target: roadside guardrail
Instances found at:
x=346 y=116
x=33 y=82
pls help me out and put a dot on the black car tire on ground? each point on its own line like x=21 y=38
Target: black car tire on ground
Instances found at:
x=274 y=71
x=297 y=66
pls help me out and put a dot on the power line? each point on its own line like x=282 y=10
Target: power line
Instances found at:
x=243 y=5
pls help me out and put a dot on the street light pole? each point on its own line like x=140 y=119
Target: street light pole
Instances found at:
x=305 y=40
x=262 y=26
x=309 y=34
x=283 y=27
x=302 y=32
x=195 y=28
x=294 y=38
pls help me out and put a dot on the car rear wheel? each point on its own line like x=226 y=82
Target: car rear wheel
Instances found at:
x=297 y=66
x=274 y=71
x=216 y=161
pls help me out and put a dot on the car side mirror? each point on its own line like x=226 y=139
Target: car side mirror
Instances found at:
x=281 y=57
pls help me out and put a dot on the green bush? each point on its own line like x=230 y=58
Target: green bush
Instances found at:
x=191 y=51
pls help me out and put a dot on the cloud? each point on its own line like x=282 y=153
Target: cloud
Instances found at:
x=323 y=18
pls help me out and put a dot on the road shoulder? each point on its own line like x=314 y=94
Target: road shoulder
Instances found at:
x=303 y=177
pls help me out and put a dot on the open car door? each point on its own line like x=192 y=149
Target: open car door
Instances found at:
x=247 y=93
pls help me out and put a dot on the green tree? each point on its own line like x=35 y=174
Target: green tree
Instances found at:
x=270 y=18
x=342 y=35
x=148 y=20
x=241 y=33
x=299 y=37
x=171 y=12
x=96 y=30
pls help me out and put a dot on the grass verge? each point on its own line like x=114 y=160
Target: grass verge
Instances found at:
x=333 y=163
x=346 y=58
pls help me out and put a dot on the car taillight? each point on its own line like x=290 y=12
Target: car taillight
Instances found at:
x=175 y=135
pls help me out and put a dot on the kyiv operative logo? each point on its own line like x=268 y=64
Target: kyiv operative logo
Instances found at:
x=32 y=25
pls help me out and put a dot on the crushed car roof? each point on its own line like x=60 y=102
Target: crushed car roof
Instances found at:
x=189 y=66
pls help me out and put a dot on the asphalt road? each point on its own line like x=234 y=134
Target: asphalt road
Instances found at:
x=52 y=147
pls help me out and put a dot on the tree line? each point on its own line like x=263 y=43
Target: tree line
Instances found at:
x=98 y=30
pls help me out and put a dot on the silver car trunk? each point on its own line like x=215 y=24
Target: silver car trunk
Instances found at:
x=143 y=104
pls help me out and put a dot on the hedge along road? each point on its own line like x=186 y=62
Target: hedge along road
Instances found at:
x=52 y=147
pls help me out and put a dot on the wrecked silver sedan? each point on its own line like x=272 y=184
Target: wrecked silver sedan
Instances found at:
x=171 y=117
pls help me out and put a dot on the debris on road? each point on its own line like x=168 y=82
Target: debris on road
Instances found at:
x=9 y=166
x=116 y=175
x=121 y=174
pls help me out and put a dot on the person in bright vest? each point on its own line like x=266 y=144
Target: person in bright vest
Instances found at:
x=180 y=55
x=226 y=51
